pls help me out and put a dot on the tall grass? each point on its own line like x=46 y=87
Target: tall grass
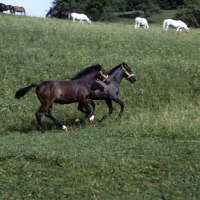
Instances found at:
x=152 y=152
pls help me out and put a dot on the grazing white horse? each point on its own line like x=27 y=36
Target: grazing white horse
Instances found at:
x=80 y=17
x=178 y=24
x=141 y=22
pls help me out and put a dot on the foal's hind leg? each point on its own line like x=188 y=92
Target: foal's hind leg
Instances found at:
x=81 y=108
x=48 y=114
x=46 y=109
x=87 y=110
x=84 y=110
x=92 y=115
x=38 y=115
x=93 y=110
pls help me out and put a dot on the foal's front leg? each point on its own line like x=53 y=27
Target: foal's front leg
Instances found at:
x=38 y=116
x=110 y=106
x=39 y=113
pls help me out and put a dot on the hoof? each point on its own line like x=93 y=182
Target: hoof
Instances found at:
x=42 y=130
x=100 y=119
x=77 y=120
x=91 y=119
x=96 y=125
x=64 y=128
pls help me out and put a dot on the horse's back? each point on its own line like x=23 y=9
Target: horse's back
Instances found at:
x=83 y=16
x=173 y=22
x=57 y=85
x=19 y=8
x=140 y=19
x=182 y=23
x=137 y=19
x=79 y=16
x=55 y=90
x=141 y=22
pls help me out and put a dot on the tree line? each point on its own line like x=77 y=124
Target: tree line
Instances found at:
x=103 y=10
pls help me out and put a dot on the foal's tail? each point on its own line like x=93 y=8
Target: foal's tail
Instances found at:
x=21 y=92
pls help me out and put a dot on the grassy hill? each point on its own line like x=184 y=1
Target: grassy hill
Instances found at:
x=152 y=152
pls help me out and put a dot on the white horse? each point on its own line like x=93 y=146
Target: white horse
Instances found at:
x=80 y=17
x=178 y=24
x=141 y=22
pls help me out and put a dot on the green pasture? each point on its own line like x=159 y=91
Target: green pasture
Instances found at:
x=152 y=152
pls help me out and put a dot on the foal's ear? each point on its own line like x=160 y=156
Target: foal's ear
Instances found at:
x=124 y=63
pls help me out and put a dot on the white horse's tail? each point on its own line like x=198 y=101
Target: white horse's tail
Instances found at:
x=164 y=25
x=135 y=22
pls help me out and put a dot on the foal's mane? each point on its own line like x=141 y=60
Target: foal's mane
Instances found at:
x=86 y=71
x=113 y=69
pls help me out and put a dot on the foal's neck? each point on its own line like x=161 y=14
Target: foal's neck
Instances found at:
x=117 y=76
x=89 y=79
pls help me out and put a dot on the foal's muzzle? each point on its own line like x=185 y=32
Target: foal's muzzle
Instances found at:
x=129 y=76
x=105 y=78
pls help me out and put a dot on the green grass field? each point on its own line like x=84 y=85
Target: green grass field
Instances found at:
x=152 y=152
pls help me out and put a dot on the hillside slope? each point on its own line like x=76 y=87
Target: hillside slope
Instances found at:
x=152 y=152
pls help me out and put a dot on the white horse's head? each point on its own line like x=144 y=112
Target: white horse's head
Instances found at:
x=187 y=30
x=89 y=21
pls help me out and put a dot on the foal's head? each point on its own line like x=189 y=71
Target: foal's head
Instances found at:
x=128 y=73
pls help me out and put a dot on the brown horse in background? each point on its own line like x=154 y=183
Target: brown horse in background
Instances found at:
x=52 y=13
x=7 y=7
x=2 y=6
x=19 y=9
x=62 y=14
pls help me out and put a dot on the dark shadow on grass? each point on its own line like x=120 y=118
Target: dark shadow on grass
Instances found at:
x=48 y=124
